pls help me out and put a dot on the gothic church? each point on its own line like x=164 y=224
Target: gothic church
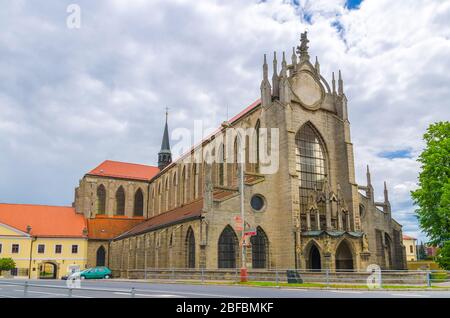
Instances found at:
x=181 y=214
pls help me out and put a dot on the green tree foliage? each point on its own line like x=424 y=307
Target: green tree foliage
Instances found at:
x=433 y=194
x=421 y=253
x=443 y=256
x=7 y=264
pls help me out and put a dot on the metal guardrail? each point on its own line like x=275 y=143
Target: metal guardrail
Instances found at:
x=26 y=285
x=427 y=278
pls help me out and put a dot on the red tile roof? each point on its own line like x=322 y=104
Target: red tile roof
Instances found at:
x=189 y=211
x=45 y=221
x=125 y=170
x=105 y=228
x=406 y=237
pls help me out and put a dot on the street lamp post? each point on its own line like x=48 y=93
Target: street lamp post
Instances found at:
x=244 y=273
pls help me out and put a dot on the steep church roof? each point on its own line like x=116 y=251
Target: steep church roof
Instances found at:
x=105 y=228
x=125 y=170
x=186 y=212
x=44 y=220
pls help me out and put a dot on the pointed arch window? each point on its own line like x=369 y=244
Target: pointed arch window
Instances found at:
x=228 y=245
x=257 y=129
x=101 y=199
x=120 y=201
x=259 y=249
x=221 y=163
x=190 y=248
x=139 y=203
x=311 y=164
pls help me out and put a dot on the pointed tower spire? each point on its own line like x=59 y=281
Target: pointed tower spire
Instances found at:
x=266 y=90
x=369 y=188
x=386 y=197
x=275 y=79
x=165 y=155
x=340 y=84
x=294 y=59
x=284 y=66
x=333 y=83
x=368 y=176
x=284 y=84
x=317 y=66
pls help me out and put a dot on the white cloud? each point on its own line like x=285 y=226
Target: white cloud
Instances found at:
x=71 y=98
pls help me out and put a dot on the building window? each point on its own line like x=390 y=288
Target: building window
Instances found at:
x=15 y=248
x=74 y=249
x=58 y=249
x=257 y=202
x=411 y=249
x=259 y=249
x=0 y=248
x=41 y=249
x=228 y=244
x=190 y=245
x=101 y=199
x=310 y=164
x=139 y=203
x=120 y=201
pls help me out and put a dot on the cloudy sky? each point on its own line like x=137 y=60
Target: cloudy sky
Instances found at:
x=70 y=98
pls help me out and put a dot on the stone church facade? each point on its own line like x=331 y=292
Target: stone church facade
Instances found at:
x=308 y=214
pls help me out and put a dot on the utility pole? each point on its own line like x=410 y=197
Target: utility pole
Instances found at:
x=244 y=274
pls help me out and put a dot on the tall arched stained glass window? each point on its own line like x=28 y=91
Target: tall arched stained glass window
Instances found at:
x=311 y=164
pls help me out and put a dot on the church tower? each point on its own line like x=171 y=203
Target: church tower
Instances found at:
x=165 y=155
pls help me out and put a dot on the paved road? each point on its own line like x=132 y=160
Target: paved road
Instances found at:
x=121 y=289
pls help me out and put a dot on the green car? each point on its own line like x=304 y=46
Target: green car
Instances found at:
x=96 y=273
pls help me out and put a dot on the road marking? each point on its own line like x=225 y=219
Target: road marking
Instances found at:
x=187 y=293
x=47 y=293
x=410 y=295
x=147 y=295
x=8 y=296
x=344 y=291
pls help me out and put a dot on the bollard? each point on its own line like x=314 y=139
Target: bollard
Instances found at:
x=70 y=292
x=25 y=289
x=202 y=276
x=133 y=292
x=276 y=277
x=428 y=278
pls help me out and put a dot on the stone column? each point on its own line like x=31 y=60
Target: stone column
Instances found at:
x=317 y=219
x=308 y=220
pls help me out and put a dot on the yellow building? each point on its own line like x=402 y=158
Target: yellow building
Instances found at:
x=411 y=249
x=43 y=241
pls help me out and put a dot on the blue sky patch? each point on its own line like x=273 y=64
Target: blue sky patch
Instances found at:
x=401 y=153
x=353 y=4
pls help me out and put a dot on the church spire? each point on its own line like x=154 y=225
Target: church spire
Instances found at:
x=165 y=155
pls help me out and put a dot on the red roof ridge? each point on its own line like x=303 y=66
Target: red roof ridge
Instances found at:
x=130 y=163
x=43 y=205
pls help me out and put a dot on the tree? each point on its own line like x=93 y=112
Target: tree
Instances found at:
x=6 y=264
x=443 y=256
x=421 y=253
x=433 y=194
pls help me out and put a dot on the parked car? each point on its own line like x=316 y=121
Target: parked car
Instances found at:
x=98 y=272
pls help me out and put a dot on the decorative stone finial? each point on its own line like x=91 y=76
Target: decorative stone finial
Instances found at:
x=302 y=49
